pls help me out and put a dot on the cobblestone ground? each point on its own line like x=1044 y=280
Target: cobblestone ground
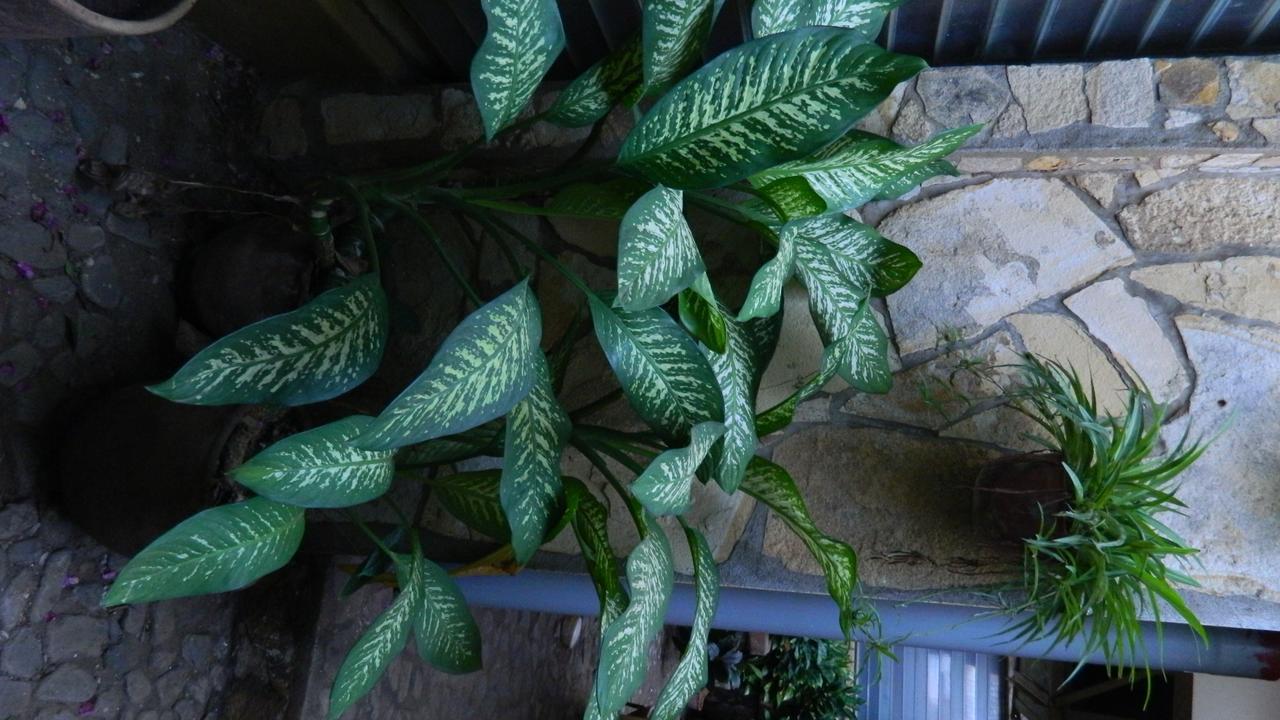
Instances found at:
x=86 y=302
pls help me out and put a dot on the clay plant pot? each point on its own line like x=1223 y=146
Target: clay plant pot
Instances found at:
x=1015 y=495
x=248 y=271
x=75 y=18
x=131 y=465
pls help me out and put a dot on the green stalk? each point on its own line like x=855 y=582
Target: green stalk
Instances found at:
x=551 y=181
x=633 y=506
x=417 y=219
x=366 y=227
x=377 y=541
x=487 y=219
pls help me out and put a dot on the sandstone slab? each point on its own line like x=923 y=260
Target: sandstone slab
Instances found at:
x=1059 y=338
x=1244 y=286
x=1102 y=186
x=1002 y=426
x=991 y=250
x=902 y=501
x=799 y=353
x=1195 y=82
x=1122 y=93
x=1255 y=88
x=958 y=96
x=1231 y=492
x=1051 y=96
x=1203 y=214
x=1125 y=325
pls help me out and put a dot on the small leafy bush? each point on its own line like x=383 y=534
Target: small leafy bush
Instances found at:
x=803 y=679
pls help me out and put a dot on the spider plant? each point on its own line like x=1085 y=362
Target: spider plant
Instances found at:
x=1096 y=568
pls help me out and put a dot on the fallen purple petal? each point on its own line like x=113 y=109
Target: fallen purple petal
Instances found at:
x=87 y=707
x=70 y=581
x=109 y=575
x=4 y=124
x=57 y=117
x=80 y=207
x=50 y=616
x=39 y=211
x=25 y=270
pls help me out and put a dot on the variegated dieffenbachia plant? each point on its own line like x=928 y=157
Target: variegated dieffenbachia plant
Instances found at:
x=762 y=136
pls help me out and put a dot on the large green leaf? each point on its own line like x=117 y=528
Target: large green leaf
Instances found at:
x=657 y=256
x=591 y=528
x=444 y=631
x=314 y=353
x=690 y=674
x=593 y=93
x=217 y=550
x=537 y=430
x=794 y=198
x=773 y=486
x=474 y=498
x=861 y=166
x=838 y=250
x=675 y=32
x=864 y=16
x=738 y=371
x=483 y=439
x=665 y=487
x=607 y=200
x=701 y=315
x=624 y=647
x=521 y=41
x=319 y=468
x=764 y=102
x=482 y=370
x=664 y=376
x=764 y=299
x=908 y=182
x=380 y=644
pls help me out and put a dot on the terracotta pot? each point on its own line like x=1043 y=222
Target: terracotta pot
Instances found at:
x=69 y=18
x=1016 y=494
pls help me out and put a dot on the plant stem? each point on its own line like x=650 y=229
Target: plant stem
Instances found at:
x=370 y=534
x=487 y=219
x=551 y=181
x=517 y=270
x=366 y=227
x=633 y=506
x=596 y=404
x=417 y=219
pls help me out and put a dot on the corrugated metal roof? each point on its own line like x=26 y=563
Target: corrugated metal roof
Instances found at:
x=926 y=684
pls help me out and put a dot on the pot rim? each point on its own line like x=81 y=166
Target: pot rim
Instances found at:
x=117 y=26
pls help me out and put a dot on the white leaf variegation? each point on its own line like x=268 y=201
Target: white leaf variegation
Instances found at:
x=690 y=674
x=319 y=468
x=765 y=102
x=738 y=370
x=866 y=17
x=860 y=166
x=764 y=299
x=474 y=498
x=314 y=353
x=522 y=39
x=666 y=379
x=481 y=371
x=624 y=646
x=701 y=314
x=590 y=520
x=593 y=93
x=537 y=429
x=657 y=256
x=443 y=629
x=773 y=486
x=666 y=486
x=675 y=32
x=220 y=549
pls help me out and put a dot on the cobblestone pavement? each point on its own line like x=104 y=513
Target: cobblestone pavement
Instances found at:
x=86 y=302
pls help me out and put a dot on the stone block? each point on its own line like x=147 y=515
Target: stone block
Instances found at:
x=958 y=96
x=18 y=363
x=1051 y=96
x=1122 y=93
x=67 y=684
x=1255 y=88
x=365 y=118
x=100 y=282
x=22 y=654
x=1102 y=186
x=1245 y=286
x=1192 y=82
x=1002 y=426
x=29 y=243
x=1269 y=128
x=76 y=636
x=1202 y=214
x=912 y=126
x=1059 y=338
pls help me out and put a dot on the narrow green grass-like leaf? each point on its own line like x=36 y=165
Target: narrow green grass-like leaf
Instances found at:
x=482 y=370
x=657 y=256
x=765 y=102
x=443 y=629
x=474 y=498
x=866 y=17
x=319 y=468
x=314 y=353
x=217 y=550
x=675 y=32
x=385 y=638
x=591 y=527
x=537 y=430
x=665 y=487
x=663 y=374
x=522 y=39
x=624 y=654
x=593 y=93
x=773 y=486
x=701 y=315
x=690 y=674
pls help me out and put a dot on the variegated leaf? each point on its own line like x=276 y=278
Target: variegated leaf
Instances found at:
x=773 y=486
x=738 y=372
x=380 y=644
x=864 y=16
x=840 y=250
x=764 y=102
x=217 y=550
x=443 y=629
x=794 y=198
x=701 y=315
x=591 y=527
x=664 y=376
x=607 y=200
x=764 y=299
x=657 y=256
x=690 y=674
x=314 y=353
x=862 y=356
x=484 y=439
x=481 y=371
x=474 y=498
x=319 y=468
x=860 y=167
x=593 y=93
x=675 y=32
x=624 y=655
x=537 y=430
x=521 y=41
x=665 y=487
x=908 y=182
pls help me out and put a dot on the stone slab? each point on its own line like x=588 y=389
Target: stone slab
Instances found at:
x=799 y=352
x=1122 y=93
x=1051 y=96
x=1255 y=88
x=1244 y=286
x=1060 y=338
x=1203 y=214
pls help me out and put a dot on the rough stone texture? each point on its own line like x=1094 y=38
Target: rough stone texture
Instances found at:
x=1125 y=325
x=1192 y=82
x=282 y=129
x=1231 y=489
x=912 y=126
x=1121 y=93
x=1102 y=186
x=1059 y=338
x=1203 y=214
x=358 y=118
x=991 y=250
x=1255 y=88
x=960 y=96
x=1244 y=286
x=799 y=352
x=1052 y=96
x=906 y=509
x=1001 y=426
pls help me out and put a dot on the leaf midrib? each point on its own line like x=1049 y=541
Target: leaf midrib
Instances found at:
x=171 y=568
